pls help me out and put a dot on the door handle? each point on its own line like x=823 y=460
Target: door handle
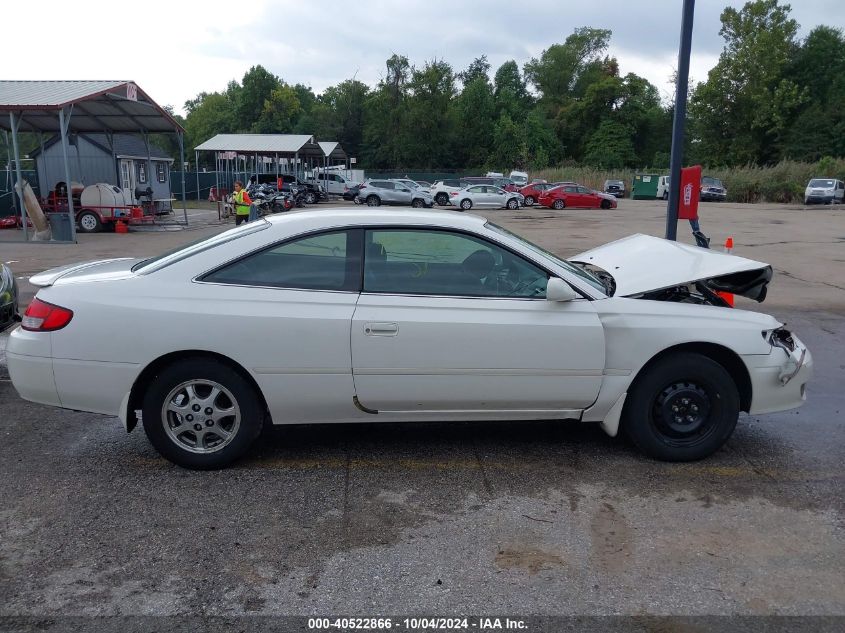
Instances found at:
x=381 y=329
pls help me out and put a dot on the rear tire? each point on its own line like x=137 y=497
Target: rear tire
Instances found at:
x=665 y=195
x=559 y=204
x=310 y=198
x=442 y=199
x=373 y=201
x=682 y=408
x=89 y=222
x=193 y=428
x=466 y=204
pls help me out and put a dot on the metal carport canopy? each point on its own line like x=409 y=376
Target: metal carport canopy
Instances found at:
x=264 y=144
x=332 y=150
x=82 y=106
x=98 y=106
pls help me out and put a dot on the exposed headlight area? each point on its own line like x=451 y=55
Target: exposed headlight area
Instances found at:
x=780 y=337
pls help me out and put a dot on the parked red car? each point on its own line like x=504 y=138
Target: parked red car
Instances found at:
x=576 y=196
x=534 y=190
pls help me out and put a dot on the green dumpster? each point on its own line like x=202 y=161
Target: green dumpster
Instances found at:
x=644 y=186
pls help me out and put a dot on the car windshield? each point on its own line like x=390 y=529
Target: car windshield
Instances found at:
x=155 y=263
x=611 y=183
x=708 y=180
x=591 y=279
x=820 y=182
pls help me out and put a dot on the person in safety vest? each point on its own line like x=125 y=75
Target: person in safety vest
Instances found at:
x=241 y=200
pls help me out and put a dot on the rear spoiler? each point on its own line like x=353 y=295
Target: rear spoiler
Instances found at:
x=49 y=277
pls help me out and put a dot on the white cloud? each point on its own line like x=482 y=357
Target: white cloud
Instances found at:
x=175 y=50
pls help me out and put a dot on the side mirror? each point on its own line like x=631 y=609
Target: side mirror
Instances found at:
x=558 y=290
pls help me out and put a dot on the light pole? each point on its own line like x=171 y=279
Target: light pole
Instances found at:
x=677 y=158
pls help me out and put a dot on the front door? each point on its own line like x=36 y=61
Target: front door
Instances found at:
x=127 y=179
x=450 y=322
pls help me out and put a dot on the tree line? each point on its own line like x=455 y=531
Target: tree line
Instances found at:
x=771 y=97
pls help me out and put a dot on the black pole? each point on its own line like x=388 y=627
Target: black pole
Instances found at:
x=678 y=123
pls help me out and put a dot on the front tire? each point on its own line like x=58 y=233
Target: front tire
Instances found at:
x=682 y=408
x=529 y=201
x=417 y=203
x=666 y=195
x=201 y=414
x=605 y=204
x=513 y=203
x=310 y=198
x=442 y=199
x=373 y=201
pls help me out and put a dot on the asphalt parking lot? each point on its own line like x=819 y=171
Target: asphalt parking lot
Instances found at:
x=527 y=518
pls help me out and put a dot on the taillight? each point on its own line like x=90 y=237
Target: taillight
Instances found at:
x=362 y=187
x=41 y=316
x=454 y=193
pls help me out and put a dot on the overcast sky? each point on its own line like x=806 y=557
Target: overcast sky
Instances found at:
x=174 y=50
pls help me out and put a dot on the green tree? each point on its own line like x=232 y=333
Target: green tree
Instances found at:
x=473 y=113
x=280 y=112
x=510 y=93
x=428 y=127
x=741 y=112
x=478 y=69
x=256 y=88
x=610 y=146
x=385 y=114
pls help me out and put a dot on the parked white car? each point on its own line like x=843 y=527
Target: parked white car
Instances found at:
x=334 y=184
x=824 y=191
x=442 y=189
x=486 y=197
x=362 y=315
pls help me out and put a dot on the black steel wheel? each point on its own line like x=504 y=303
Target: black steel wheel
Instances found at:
x=681 y=408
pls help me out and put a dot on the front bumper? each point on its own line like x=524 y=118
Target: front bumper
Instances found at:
x=819 y=199
x=779 y=379
x=713 y=196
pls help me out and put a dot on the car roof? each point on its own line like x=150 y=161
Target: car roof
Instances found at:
x=356 y=216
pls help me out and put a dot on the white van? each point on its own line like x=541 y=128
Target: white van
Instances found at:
x=662 y=188
x=520 y=178
x=824 y=191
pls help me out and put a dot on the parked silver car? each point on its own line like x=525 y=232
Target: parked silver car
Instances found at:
x=375 y=192
x=486 y=196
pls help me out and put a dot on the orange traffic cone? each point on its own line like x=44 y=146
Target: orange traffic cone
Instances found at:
x=121 y=227
x=728 y=296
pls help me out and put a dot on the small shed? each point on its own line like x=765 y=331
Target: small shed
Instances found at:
x=129 y=163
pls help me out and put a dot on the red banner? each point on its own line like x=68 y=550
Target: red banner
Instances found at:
x=690 y=190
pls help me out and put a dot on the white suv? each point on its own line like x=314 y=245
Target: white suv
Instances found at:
x=334 y=184
x=442 y=190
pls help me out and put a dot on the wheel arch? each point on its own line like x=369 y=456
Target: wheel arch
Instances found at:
x=725 y=356
x=145 y=378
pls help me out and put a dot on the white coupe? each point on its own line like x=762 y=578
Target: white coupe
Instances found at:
x=361 y=316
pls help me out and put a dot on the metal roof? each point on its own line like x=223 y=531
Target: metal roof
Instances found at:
x=263 y=144
x=97 y=106
x=332 y=149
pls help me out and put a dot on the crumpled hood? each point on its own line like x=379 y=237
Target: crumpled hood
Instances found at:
x=643 y=263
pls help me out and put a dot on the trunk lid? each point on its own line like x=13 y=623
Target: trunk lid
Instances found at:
x=99 y=270
x=644 y=263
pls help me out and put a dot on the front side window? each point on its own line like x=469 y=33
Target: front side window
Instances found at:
x=326 y=261
x=432 y=262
